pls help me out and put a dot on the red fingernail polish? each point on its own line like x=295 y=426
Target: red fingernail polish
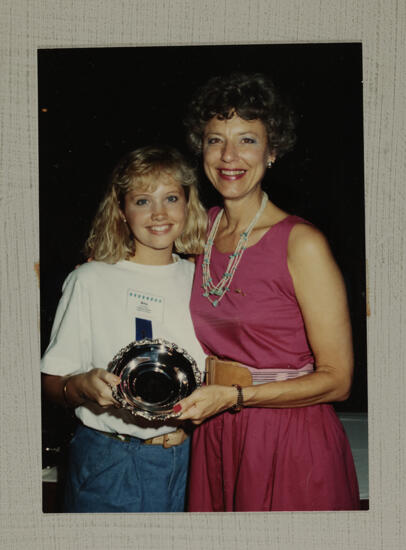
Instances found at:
x=177 y=408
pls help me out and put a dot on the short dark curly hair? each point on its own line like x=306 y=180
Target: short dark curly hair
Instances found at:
x=250 y=96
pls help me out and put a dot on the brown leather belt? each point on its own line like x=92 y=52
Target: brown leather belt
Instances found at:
x=226 y=373
x=230 y=373
x=158 y=440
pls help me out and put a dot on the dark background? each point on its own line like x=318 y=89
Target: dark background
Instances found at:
x=97 y=104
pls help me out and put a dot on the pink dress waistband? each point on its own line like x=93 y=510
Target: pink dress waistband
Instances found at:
x=261 y=376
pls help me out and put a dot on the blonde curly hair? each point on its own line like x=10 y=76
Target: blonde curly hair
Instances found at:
x=111 y=240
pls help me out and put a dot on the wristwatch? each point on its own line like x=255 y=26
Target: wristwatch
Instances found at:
x=240 y=401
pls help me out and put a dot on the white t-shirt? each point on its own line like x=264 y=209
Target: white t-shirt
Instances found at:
x=96 y=317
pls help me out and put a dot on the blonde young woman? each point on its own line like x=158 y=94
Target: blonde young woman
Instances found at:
x=118 y=463
x=270 y=303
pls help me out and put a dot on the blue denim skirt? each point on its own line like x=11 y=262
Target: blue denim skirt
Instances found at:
x=109 y=475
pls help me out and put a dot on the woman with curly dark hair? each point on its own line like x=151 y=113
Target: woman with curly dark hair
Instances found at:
x=269 y=308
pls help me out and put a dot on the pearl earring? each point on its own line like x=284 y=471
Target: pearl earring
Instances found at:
x=269 y=164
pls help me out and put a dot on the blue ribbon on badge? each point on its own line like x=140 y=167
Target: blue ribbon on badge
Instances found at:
x=143 y=328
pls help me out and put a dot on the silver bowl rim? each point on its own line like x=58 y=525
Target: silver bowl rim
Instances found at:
x=163 y=413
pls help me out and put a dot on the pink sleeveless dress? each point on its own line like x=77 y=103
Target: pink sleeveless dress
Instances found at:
x=265 y=459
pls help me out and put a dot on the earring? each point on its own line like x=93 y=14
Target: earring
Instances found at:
x=269 y=164
x=124 y=219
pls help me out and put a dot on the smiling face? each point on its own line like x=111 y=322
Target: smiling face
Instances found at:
x=235 y=155
x=156 y=216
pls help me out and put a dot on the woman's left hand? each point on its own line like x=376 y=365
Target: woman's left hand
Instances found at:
x=206 y=401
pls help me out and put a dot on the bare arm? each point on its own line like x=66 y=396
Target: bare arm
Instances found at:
x=75 y=390
x=322 y=299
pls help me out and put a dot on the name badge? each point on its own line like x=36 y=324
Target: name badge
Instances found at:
x=146 y=306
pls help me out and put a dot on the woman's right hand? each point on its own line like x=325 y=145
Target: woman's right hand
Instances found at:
x=95 y=385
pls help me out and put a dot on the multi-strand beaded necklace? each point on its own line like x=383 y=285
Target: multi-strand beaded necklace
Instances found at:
x=215 y=292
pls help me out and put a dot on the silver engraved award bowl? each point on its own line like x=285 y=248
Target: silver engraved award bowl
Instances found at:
x=155 y=375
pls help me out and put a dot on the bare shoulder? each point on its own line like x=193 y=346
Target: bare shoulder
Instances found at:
x=306 y=242
x=309 y=256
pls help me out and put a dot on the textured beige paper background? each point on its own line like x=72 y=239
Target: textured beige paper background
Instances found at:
x=31 y=24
